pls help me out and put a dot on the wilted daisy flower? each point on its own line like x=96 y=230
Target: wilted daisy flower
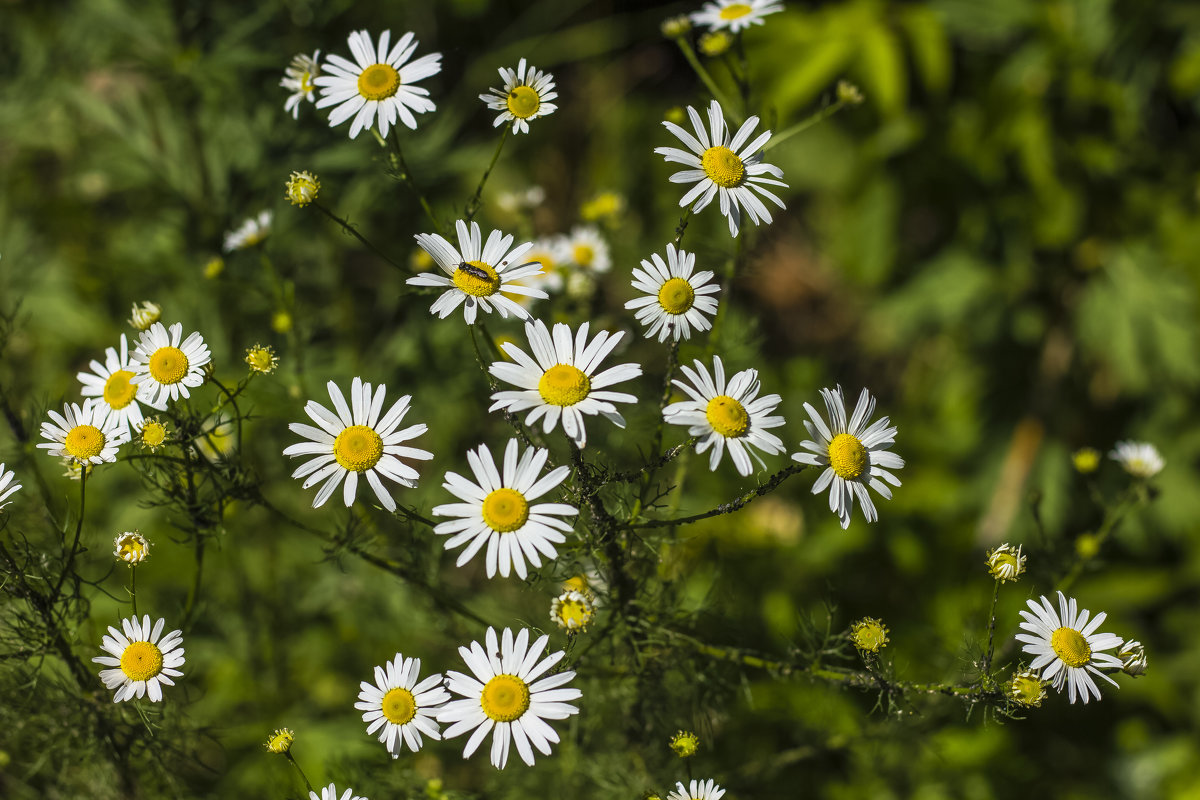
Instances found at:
x=869 y=635
x=145 y=316
x=506 y=698
x=131 y=547
x=477 y=272
x=496 y=510
x=347 y=443
x=697 y=790
x=85 y=435
x=142 y=662
x=110 y=382
x=854 y=454
x=399 y=707
x=685 y=744
x=262 y=358
x=675 y=299
x=558 y=381
x=7 y=490
x=727 y=415
x=731 y=168
x=1066 y=646
x=734 y=15
x=302 y=188
x=249 y=233
x=1139 y=459
x=164 y=368
x=1133 y=658
x=378 y=88
x=280 y=741
x=573 y=610
x=526 y=95
x=588 y=249
x=153 y=434
x=298 y=79
x=1006 y=563
x=1027 y=689
x=330 y=792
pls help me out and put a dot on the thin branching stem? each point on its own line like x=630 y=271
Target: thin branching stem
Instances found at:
x=476 y=199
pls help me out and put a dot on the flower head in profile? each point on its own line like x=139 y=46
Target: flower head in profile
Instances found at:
x=354 y=440
x=330 y=792
x=298 y=80
x=399 y=706
x=478 y=274
x=251 y=232
x=1005 y=563
x=140 y=662
x=506 y=695
x=675 y=299
x=142 y=317
x=111 y=384
x=1133 y=659
x=166 y=365
x=1066 y=647
x=722 y=167
x=1139 y=459
x=86 y=435
x=573 y=610
x=526 y=95
x=697 y=790
x=376 y=88
x=7 y=487
x=560 y=380
x=131 y=547
x=280 y=741
x=733 y=15
x=302 y=188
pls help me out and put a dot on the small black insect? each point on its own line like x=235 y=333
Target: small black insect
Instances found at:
x=471 y=269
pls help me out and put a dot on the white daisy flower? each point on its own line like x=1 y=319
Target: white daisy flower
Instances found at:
x=588 y=249
x=553 y=253
x=477 y=272
x=251 y=232
x=675 y=299
x=496 y=510
x=349 y=442
x=298 y=79
x=734 y=15
x=84 y=435
x=164 y=368
x=1066 y=646
x=558 y=381
x=727 y=416
x=1139 y=459
x=729 y=168
x=399 y=707
x=378 y=88
x=504 y=697
x=697 y=790
x=142 y=663
x=854 y=454
x=7 y=487
x=111 y=383
x=330 y=792
x=526 y=95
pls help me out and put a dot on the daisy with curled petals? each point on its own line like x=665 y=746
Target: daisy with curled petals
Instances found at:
x=505 y=697
x=697 y=790
x=525 y=96
x=675 y=299
x=730 y=169
x=1066 y=647
x=734 y=15
x=855 y=455
x=141 y=662
x=164 y=367
x=298 y=79
x=558 y=381
x=496 y=510
x=399 y=707
x=727 y=415
x=477 y=272
x=330 y=792
x=7 y=490
x=377 y=86
x=83 y=435
x=354 y=439
x=111 y=383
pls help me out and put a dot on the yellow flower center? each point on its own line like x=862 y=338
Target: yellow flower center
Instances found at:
x=1069 y=645
x=358 y=448
x=574 y=613
x=727 y=416
x=476 y=279
x=118 y=391
x=306 y=82
x=564 y=385
x=399 y=706
x=281 y=741
x=505 y=510
x=523 y=102
x=723 y=166
x=132 y=548
x=168 y=365
x=545 y=260
x=505 y=698
x=869 y=635
x=583 y=254
x=735 y=11
x=378 y=82
x=154 y=434
x=84 y=442
x=676 y=296
x=141 y=661
x=847 y=456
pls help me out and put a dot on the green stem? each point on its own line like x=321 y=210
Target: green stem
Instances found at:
x=681 y=228
x=350 y=229
x=67 y=567
x=987 y=659
x=805 y=124
x=708 y=81
x=406 y=176
x=303 y=777
x=731 y=271
x=1135 y=495
x=475 y=201
x=727 y=508
x=656 y=443
x=133 y=587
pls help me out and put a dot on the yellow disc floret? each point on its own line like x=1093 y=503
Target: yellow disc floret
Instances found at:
x=379 y=82
x=564 y=385
x=399 y=706
x=735 y=11
x=477 y=278
x=281 y=740
x=723 y=166
x=869 y=635
x=1071 y=646
x=727 y=416
x=84 y=442
x=153 y=434
x=358 y=448
x=847 y=456
x=118 y=391
x=676 y=296
x=583 y=254
x=573 y=610
x=505 y=510
x=141 y=661
x=505 y=698
x=168 y=365
x=523 y=102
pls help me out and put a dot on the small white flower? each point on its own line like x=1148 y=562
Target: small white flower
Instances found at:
x=330 y=792
x=506 y=698
x=496 y=510
x=111 y=382
x=525 y=96
x=250 y=232
x=1133 y=658
x=1066 y=646
x=378 y=88
x=734 y=14
x=131 y=547
x=558 y=380
x=477 y=273
x=164 y=368
x=588 y=250
x=7 y=490
x=399 y=707
x=553 y=254
x=298 y=79
x=142 y=662
x=697 y=790
x=675 y=299
x=1139 y=459
x=85 y=435
x=516 y=202
x=730 y=169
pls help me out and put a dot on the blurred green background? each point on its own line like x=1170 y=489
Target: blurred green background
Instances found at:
x=1002 y=243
